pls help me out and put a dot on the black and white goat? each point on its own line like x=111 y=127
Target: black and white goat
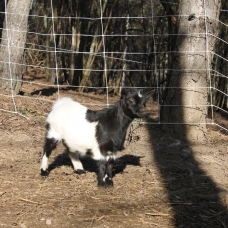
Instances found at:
x=99 y=134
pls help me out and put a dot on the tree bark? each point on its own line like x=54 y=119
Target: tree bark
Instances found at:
x=184 y=108
x=12 y=46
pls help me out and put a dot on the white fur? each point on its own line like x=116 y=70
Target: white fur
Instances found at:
x=139 y=94
x=44 y=164
x=106 y=177
x=75 y=161
x=68 y=122
x=111 y=155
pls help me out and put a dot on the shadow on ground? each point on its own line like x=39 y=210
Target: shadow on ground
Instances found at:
x=194 y=197
x=90 y=165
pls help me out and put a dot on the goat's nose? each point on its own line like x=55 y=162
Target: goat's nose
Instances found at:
x=143 y=112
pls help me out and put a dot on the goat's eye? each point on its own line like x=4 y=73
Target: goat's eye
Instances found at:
x=131 y=101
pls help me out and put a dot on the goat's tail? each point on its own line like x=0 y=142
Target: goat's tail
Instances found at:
x=60 y=102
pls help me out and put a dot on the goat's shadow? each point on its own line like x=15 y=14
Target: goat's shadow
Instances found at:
x=91 y=165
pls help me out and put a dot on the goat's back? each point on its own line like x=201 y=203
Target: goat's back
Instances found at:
x=67 y=121
x=66 y=110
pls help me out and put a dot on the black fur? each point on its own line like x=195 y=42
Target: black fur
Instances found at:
x=89 y=153
x=113 y=123
x=109 y=167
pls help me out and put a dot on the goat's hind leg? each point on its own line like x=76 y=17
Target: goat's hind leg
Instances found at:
x=50 y=144
x=76 y=163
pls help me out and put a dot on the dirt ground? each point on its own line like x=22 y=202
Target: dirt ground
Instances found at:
x=160 y=180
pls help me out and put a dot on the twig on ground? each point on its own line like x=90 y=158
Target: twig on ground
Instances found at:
x=158 y=214
x=29 y=201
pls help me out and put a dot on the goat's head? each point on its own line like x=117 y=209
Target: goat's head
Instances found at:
x=134 y=103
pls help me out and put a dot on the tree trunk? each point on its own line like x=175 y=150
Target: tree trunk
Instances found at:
x=184 y=108
x=13 y=43
x=124 y=54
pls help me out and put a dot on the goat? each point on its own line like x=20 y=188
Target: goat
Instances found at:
x=98 y=134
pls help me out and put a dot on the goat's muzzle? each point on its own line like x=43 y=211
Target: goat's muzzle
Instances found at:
x=143 y=113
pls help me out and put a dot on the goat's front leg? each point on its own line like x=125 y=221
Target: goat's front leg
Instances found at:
x=101 y=173
x=105 y=173
x=108 y=176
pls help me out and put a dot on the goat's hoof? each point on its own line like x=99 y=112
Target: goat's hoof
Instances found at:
x=44 y=173
x=106 y=183
x=102 y=184
x=80 y=171
x=109 y=182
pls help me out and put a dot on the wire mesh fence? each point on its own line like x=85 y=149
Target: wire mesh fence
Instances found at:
x=104 y=46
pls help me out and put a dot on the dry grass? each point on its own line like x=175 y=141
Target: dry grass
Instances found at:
x=154 y=185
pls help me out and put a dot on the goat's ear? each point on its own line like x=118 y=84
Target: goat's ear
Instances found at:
x=123 y=92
